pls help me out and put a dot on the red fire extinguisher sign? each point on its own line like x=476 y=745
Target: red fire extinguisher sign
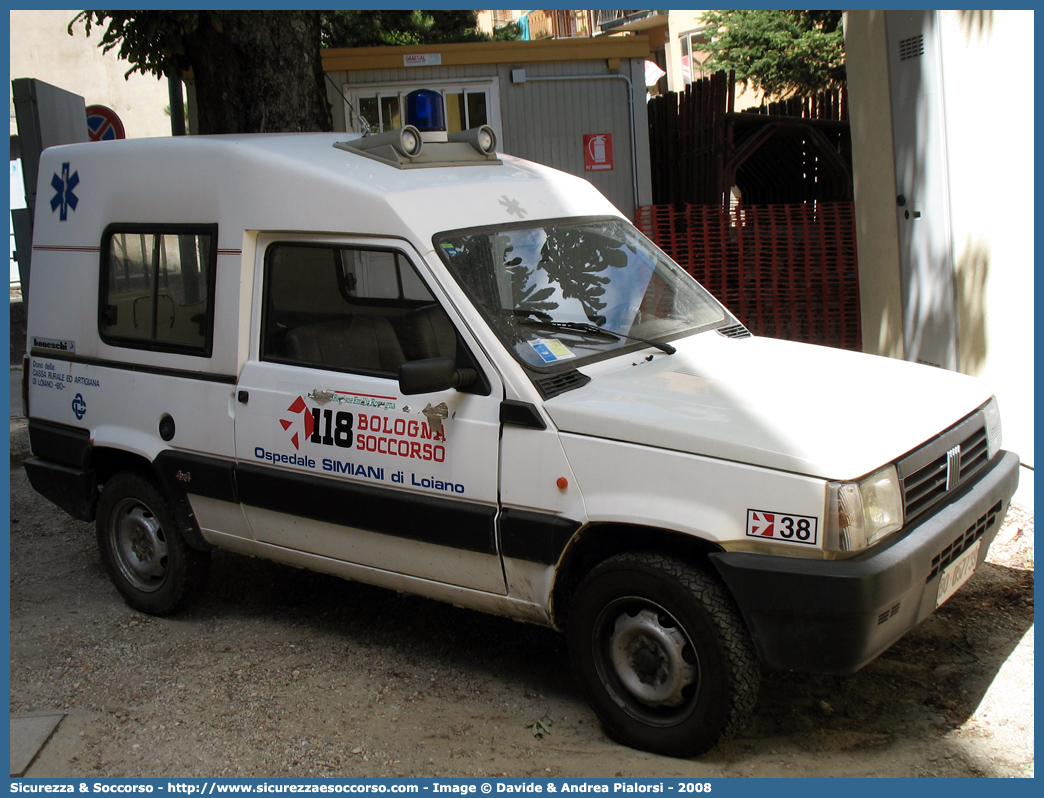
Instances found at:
x=598 y=152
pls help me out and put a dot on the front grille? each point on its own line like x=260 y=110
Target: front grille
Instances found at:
x=932 y=471
x=964 y=542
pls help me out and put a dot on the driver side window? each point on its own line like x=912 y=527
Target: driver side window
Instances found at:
x=353 y=309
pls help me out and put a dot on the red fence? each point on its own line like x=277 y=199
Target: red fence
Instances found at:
x=787 y=271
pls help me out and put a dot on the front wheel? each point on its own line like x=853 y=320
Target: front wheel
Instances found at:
x=663 y=654
x=148 y=560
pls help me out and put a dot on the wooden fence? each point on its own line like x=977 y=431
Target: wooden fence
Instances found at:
x=758 y=207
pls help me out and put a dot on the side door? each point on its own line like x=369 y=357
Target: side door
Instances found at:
x=332 y=460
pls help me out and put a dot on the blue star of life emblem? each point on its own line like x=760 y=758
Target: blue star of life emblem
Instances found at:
x=64 y=197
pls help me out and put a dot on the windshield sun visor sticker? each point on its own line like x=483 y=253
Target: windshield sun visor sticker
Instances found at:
x=551 y=350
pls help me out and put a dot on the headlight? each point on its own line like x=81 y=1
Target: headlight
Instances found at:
x=861 y=513
x=991 y=412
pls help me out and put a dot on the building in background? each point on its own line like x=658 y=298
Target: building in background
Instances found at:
x=42 y=48
x=575 y=104
x=675 y=39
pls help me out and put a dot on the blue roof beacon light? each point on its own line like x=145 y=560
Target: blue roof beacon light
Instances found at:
x=426 y=111
x=424 y=142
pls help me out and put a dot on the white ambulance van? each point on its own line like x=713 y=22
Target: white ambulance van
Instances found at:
x=410 y=361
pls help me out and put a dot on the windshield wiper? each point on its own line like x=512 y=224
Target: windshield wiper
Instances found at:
x=532 y=312
x=601 y=332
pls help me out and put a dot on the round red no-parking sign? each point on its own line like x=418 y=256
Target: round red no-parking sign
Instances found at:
x=103 y=124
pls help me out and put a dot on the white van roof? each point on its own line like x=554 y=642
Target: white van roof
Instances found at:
x=287 y=182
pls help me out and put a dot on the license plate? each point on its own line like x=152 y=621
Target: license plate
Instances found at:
x=957 y=573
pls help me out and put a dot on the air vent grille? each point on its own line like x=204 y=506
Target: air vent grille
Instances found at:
x=964 y=541
x=734 y=331
x=888 y=614
x=554 y=384
x=911 y=48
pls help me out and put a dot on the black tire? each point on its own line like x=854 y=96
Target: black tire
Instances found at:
x=663 y=654
x=148 y=560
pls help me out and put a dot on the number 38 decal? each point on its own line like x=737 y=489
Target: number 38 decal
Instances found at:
x=782 y=527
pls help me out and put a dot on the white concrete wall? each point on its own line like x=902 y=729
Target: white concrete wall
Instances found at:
x=873 y=179
x=988 y=73
x=42 y=48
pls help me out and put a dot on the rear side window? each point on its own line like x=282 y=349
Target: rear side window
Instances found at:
x=157 y=287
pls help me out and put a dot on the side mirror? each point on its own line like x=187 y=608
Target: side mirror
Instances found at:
x=432 y=375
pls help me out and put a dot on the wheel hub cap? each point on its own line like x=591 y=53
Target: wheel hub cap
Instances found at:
x=142 y=549
x=648 y=653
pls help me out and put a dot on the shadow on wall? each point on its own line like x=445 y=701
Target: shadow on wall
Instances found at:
x=889 y=329
x=976 y=23
x=973 y=264
x=972 y=275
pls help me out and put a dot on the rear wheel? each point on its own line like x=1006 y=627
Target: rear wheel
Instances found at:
x=662 y=654
x=148 y=560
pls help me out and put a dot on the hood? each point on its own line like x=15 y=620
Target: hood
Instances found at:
x=806 y=409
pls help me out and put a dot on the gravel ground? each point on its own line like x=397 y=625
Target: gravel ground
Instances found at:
x=279 y=672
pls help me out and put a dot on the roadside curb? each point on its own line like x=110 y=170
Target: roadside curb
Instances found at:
x=29 y=734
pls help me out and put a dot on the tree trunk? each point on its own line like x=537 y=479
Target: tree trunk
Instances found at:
x=261 y=74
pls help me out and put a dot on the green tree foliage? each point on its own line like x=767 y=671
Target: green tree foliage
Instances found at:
x=254 y=71
x=782 y=53
x=153 y=42
x=258 y=71
x=373 y=28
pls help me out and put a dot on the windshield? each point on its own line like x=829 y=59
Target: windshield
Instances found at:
x=574 y=290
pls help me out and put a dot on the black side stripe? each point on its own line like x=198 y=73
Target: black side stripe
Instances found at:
x=454 y=523
x=430 y=519
x=60 y=443
x=181 y=473
x=535 y=537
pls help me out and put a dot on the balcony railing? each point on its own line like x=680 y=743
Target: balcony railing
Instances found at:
x=559 y=24
x=565 y=24
x=603 y=16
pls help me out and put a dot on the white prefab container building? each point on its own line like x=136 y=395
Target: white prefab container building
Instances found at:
x=555 y=102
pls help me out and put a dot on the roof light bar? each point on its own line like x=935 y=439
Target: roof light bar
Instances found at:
x=481 y=138
x=406 y=140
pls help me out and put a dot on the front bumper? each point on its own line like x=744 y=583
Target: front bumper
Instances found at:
x=835 y=616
